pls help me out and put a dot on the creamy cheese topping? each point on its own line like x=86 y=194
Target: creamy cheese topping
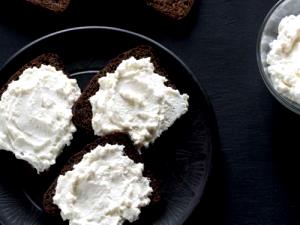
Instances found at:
x=35 y=115
x=134 y=99
x=284 y=58
x=104 y=188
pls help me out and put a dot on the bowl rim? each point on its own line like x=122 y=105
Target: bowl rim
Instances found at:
x=291 y=105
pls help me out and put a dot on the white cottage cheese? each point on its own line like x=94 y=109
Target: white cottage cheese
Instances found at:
x=135 y=100
x=35 y=115
x=104 y=188
x=284 y=59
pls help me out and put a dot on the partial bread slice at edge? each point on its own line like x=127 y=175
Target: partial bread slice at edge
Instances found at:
x=46 y=59
x=175 y=9
x=121 y=139
x=82 y=109
x=57 y=6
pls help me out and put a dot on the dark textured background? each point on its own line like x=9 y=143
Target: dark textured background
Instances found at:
x=254 y=179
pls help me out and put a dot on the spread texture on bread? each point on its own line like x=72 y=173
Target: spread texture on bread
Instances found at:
x=35 y=113
x=149 y=193
x=133 y=98
x=105 y=187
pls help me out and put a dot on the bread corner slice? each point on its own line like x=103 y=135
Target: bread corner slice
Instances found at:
x=51 y=209
x=56 y=6
x=82 y=109
x=174 y=9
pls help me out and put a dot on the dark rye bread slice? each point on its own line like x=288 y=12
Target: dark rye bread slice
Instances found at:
x=175 y=9
x=82 y=109
x=122 y=139
x=56 y=6
x=46 y=59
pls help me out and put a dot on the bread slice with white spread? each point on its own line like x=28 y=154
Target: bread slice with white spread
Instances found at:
x=105 y=183
x=35 y=112
x=132 y=95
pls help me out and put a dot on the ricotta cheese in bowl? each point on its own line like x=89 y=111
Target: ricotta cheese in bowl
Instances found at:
x=106 y=187
x=35 y=115
x=135 y=100
x=284 y=59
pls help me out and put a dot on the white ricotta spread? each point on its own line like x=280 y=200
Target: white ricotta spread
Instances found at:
x=104 y=188
x=35 y=115
x=284 y=59
x=135 y=100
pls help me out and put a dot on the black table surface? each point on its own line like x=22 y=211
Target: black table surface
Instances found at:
x=255 y=170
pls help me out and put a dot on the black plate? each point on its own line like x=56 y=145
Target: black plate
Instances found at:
x=182 y=155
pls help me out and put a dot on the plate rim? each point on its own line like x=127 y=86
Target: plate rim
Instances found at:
x=212 y=120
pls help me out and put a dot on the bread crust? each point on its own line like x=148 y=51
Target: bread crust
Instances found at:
x=56 y=6
x=174 y=9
